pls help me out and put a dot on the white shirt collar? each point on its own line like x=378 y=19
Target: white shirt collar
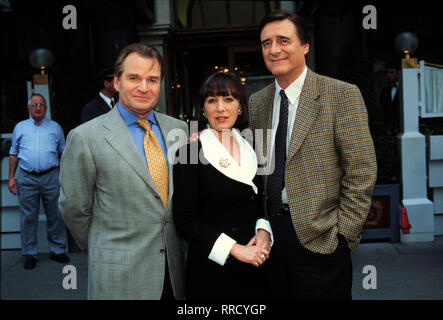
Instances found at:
x=294 y=89
x=221 y=159
x=107 y=100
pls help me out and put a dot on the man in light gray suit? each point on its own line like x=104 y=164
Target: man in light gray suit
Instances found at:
x=110 y=198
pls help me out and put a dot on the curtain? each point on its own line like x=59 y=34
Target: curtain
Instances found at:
x=434 y=89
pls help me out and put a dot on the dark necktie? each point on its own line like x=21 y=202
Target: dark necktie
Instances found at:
x=276 y=180
x=112 y=103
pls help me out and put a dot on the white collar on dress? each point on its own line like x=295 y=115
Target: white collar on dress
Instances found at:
x=221 y=159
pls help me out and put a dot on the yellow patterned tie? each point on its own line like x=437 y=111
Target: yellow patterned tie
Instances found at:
x=156 y=161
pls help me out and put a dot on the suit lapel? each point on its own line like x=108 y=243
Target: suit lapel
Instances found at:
x=165 y=127
x=264 y=116
x=266 y=106
x=122 y=142
x=395 y=101
x=269 y=104
x=307 y=111
x=102 y=104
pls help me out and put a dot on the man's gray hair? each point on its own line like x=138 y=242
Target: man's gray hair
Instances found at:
x=35 y=94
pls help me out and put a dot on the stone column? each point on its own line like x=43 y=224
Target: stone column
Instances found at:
x=159 y=35
x=291 y=6
x=413 y=162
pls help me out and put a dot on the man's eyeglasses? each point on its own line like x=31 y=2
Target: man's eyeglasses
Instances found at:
x=35 y=105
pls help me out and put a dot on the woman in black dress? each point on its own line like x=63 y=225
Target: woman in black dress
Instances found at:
x=218 y=199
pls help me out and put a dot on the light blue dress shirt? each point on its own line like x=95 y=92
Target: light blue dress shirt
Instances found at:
x=138 y=132
x=37 y=147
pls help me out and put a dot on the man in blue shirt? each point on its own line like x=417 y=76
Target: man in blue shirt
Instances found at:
x=116 y=188
x=37 y=144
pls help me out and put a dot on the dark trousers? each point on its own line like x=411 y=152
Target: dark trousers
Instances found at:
x=298 y=273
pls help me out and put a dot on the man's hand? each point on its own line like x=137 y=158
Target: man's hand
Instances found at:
x=194 y=137
x=12 y=185
x=262 y=240
x=249 y=254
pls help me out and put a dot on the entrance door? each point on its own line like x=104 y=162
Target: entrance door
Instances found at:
x=193 y=62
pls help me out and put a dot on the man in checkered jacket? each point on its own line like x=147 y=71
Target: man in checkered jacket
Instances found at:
x=324 y=167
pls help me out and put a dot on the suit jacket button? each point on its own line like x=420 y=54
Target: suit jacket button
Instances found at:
x=157 y=196
x=162 y=250
x=235 y=229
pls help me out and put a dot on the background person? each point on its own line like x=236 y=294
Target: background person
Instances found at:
x=389 y=98
x=37 y=144
x=105 y=100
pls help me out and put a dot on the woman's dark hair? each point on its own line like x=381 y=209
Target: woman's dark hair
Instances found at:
x=299 y=23
x=223 y=84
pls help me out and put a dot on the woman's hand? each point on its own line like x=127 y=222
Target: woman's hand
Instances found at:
x=253 y=255
x=262 y=239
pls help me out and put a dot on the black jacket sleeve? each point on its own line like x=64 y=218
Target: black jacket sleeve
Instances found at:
x=187 y=206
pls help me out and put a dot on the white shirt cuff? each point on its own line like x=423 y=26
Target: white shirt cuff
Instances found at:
x=220 y=250
x=265 y=225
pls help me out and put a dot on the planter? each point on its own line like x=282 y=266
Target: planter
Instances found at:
x=383 y=220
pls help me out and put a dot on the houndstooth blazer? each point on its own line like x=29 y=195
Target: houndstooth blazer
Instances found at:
x=331 y=166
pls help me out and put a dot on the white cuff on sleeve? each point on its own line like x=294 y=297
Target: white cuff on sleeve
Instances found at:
x=265 y=225
x=220 y=250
